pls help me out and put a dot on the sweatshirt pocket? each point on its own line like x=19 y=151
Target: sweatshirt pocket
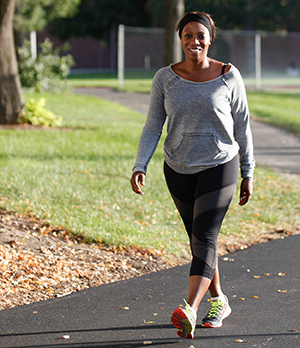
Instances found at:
x=194 y=149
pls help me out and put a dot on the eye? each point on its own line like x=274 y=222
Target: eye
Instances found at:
x=188 y=36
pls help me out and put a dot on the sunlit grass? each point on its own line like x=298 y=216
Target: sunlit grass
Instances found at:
x=281 y=109
x=78 y=177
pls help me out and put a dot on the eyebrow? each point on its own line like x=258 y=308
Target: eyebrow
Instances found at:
x=190 y=31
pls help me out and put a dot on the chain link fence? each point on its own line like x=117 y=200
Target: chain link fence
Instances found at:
x=265 y=59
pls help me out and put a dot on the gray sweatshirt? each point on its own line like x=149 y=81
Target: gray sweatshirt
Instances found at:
x=207 y=123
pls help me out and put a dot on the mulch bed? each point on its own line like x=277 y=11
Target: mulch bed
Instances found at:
x=39 y=262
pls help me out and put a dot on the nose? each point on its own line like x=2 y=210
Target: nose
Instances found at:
x=196 y=39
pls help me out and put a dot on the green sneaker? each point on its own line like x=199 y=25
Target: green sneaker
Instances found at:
x=219 y=310
x=185 y=321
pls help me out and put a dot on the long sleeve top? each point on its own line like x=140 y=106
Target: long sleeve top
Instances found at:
x=207 y=123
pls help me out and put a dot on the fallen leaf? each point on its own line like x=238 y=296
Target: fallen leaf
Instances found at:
x=65 y=337
x=147 y=342
x=125 y=308
x=281 y=274
x=255 y=296
x=148 y=322
x=256 y=277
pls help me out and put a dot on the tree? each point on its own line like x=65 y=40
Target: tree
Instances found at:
x=172 y=47
x=11 y=100
x=35 y=15
x=96 y=18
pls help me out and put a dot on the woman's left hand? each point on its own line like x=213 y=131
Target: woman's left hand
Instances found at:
x=246 y=191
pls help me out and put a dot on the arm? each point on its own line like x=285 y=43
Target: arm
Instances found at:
x=242 y=131
x=150 y=136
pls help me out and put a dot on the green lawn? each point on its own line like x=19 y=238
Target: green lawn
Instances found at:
x=278 y=108
x=78 y=177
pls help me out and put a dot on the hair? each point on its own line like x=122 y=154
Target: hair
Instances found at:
x=184 y=20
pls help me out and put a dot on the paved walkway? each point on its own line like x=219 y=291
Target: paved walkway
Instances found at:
x=262 y=284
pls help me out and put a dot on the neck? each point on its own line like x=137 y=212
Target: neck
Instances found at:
x=194 y=66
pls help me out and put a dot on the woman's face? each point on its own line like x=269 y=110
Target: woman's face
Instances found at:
x=195 y=40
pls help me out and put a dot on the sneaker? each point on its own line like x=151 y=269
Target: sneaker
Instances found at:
x=185 y=321
x=219 y=310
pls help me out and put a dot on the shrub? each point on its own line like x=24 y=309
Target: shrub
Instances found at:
x=35 y=113
x=49 y=71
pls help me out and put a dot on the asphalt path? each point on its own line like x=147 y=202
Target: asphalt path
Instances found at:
x=262 y=284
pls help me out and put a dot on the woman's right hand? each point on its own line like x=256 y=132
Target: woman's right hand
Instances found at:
x=137 y=179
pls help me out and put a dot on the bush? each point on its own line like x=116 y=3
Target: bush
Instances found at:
x=35 y=113
x=49 y=71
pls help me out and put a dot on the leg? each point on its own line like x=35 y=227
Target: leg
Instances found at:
x=215 y=285
x=197 y=289
x=199 y=285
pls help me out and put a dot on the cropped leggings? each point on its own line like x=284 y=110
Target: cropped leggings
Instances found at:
x=202 y=200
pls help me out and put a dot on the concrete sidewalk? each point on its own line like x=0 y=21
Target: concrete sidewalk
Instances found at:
x=274 y=147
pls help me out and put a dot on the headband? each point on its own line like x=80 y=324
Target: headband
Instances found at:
x=193 y=17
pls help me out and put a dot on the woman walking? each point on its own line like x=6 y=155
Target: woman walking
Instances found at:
x=208 y=138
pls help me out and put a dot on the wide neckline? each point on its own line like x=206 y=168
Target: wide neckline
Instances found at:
x=204 y=82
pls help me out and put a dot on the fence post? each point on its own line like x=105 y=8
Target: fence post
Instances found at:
x=121 y=54
x=258 y=61
x=33 y=44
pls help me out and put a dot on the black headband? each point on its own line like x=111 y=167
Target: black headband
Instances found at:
x=193 y=17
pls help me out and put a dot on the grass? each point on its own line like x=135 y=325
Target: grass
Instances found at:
x=134 y=82
x=79 y=178
x=278 y=108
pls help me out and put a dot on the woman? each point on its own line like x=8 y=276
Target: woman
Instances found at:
x=208 y=132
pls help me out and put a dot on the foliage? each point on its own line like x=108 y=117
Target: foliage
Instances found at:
x=96 y=18
x=251 y=15
x=36 y=14
x=48 y=72
x=35 y=113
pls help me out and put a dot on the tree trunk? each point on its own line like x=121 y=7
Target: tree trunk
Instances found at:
x=11 y=99
x=172 y=50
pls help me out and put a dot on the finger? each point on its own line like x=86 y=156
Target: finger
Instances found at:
x=135 y=186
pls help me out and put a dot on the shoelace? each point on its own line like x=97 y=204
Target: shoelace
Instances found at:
x=215 y=306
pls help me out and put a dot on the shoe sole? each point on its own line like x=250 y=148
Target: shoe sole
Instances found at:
x=226 y=314
x=182 y=323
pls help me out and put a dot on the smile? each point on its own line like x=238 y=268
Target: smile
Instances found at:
x=195 y=49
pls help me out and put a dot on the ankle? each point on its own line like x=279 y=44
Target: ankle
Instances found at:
x=221 y=297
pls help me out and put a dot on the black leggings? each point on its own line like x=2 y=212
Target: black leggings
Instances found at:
x=202 y=200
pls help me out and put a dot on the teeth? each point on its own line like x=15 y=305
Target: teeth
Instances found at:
x=194 y=49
